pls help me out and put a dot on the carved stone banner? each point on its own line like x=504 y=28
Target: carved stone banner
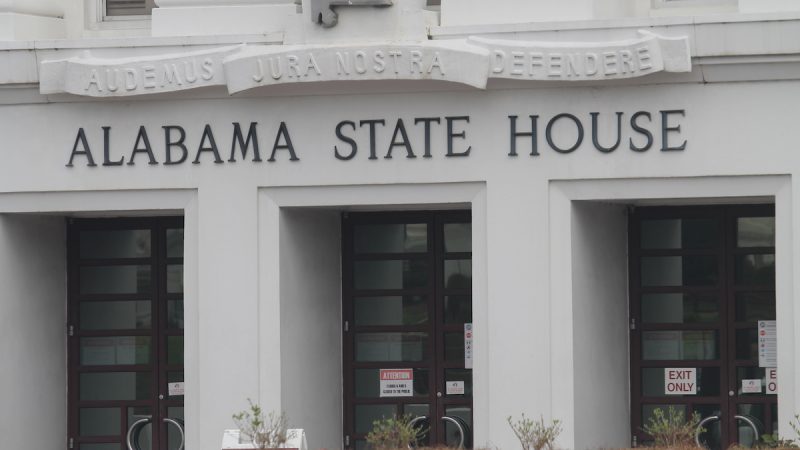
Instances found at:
x=472 y=61
x=570 y=61
x=454 y=61
x=104 y=77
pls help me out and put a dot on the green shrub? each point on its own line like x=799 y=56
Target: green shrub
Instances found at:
x=672 y=429
x=534 y=435
x=393 y=433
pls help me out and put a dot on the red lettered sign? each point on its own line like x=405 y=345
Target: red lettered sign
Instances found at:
x=680 y=381
x=397 y=382
x=772 y=381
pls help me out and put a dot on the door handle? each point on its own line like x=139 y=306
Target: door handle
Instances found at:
x=178 y=423
x=458 y=427
x=699 y=429
x=132 y=439
x=752 y=424
x=413 y=424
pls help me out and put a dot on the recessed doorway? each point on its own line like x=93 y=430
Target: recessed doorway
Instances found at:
x=407 y=282
x=125 y=348
x=702 y=319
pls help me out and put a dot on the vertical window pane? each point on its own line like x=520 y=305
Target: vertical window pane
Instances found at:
x=174 y=349
x=755 y=269
x=712 y=437
x=423 y=425
x=748 y=437
x=391 y=238
x=755 y=232
x=175 y=243
x=146 y=436
x=173 y=435
x=747 y=343
x=458 y=237
x=458 y=274
x=774 y=408
x=175 y=314
x=454 y=347
x=175 y=278
x=457 y=309
x=115 y=244
x=463 y=414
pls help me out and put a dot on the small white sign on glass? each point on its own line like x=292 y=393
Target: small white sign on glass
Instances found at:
x=468 y=346
x=454 y=388
x=767 y=344
x=752 y=386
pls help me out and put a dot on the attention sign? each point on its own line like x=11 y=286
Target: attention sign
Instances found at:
x=680 y=381
x=397 y=382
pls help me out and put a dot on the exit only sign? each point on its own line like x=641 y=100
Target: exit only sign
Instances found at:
x=680 y=381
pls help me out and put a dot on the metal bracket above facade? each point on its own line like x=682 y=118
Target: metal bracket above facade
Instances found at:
x=322 y=10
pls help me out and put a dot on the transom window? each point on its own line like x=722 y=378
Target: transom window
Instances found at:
x=128 y=8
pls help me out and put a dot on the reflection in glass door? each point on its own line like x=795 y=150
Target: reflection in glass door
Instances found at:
x=408 y=307
x=125 y=283
x=702 y=289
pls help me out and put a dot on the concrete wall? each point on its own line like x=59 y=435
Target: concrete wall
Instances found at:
x=51 y=8
x=600 y=326
x=311 y=323
x=33 y=343
x=237 y=342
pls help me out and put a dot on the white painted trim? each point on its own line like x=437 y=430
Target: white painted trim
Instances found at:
x=98 y=203
x=672 y=191
x=96 y=18
x=132 y=203
x=370 y=197
x=692 y=3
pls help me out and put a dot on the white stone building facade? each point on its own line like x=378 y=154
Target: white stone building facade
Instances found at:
x=459 y=210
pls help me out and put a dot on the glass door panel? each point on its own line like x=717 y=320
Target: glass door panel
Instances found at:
x=126 y=340
x=701 y=280
x=407 y=297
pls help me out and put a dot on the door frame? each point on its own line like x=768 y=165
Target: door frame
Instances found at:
x=435 y=255
x=159 y=332
x=725 y=249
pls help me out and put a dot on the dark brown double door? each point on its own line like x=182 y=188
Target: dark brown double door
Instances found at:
x=408 y=313
x=702 y=292
x=125 y=309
